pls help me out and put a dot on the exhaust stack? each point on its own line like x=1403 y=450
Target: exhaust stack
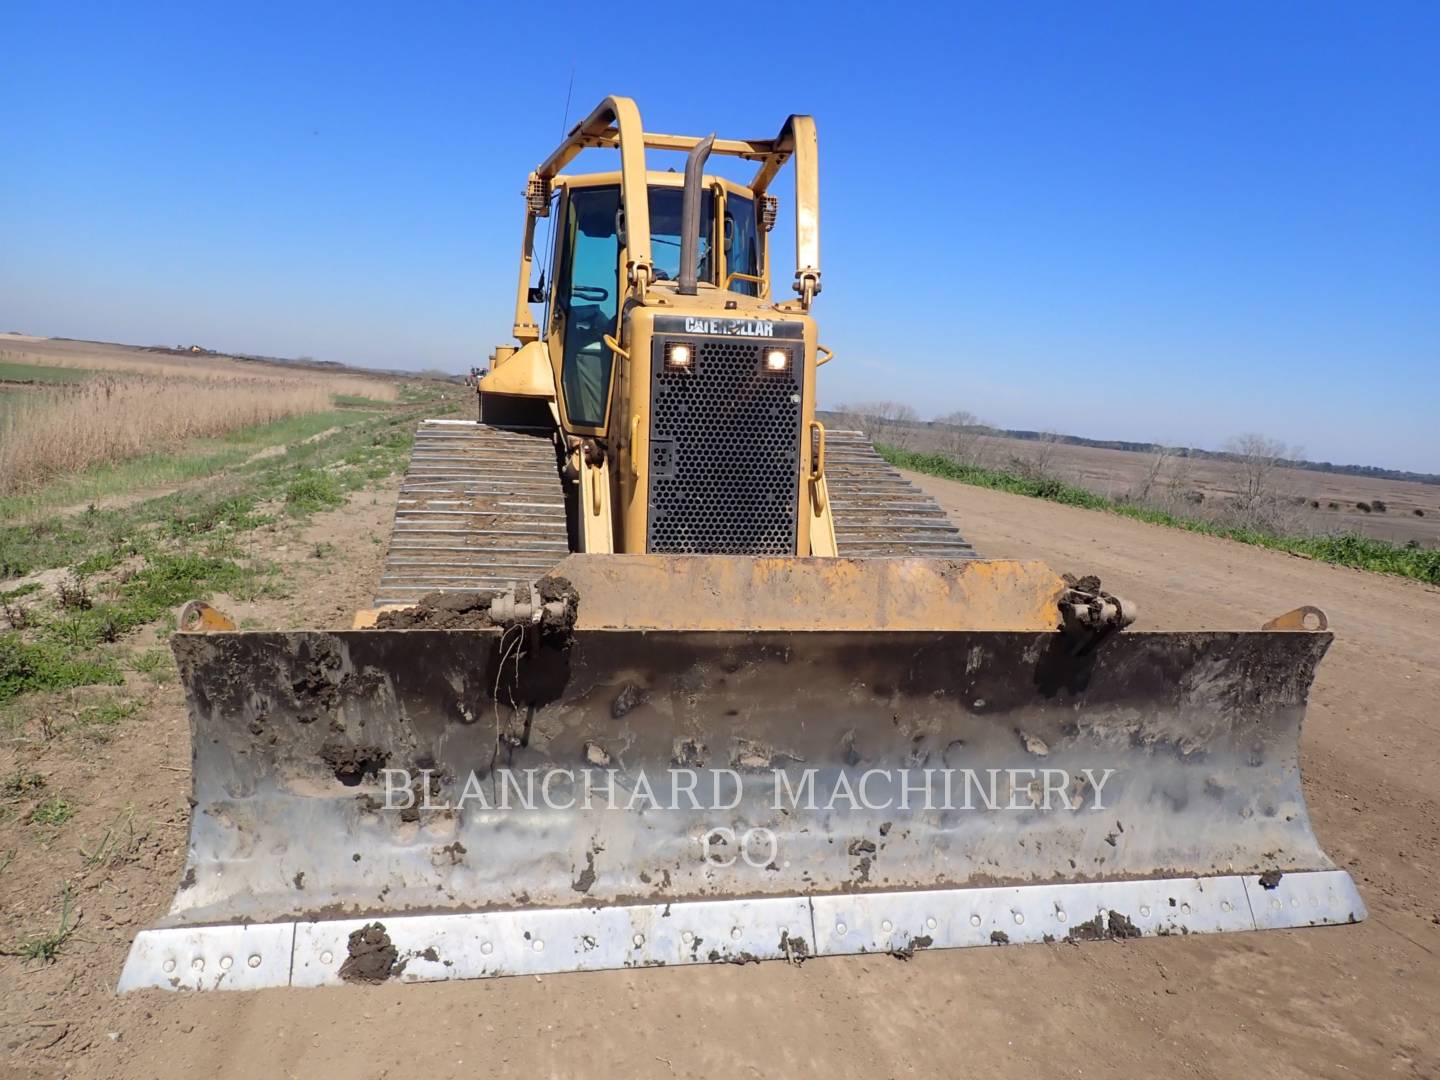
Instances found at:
x=690 y=214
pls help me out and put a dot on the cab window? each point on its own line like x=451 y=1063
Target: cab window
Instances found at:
x=742 y=244
x=665 y=210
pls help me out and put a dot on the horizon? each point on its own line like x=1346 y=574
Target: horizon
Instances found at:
x=1153 y=227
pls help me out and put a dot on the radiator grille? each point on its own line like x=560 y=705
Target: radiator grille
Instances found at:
x=724 y=451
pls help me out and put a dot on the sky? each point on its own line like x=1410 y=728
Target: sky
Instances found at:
x=1157 y=222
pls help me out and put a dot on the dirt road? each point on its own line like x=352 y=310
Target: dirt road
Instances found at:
x=1343 y=1002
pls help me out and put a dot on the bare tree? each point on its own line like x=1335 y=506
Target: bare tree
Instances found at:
x=1039 y=461
x=884 y=421
x=960 y=434
x=1262 y=498
x=1142 y=489
x=1180 y=490
x=1257 y=457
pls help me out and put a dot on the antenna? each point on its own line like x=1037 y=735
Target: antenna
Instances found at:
x=565 y=120
x=549 y=220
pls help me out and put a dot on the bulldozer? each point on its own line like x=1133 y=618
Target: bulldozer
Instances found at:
x=662 y=671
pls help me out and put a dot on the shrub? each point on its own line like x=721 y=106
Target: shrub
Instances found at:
x=47 y=666
x=73 y=595
x=314 y=491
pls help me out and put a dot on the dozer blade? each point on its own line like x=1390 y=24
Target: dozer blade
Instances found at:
x=452 y=803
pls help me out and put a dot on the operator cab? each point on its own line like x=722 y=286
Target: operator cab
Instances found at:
x=588 y=277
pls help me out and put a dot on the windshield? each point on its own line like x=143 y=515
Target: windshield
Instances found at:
x=585 y=301
x=597 y=206
x=665 y=206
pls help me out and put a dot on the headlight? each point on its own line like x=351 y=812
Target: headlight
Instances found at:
x=777 y=360
x=679 y=356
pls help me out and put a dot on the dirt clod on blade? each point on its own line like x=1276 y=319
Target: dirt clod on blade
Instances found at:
x=471 y=610
x=553 y=587
x=372 y=957
x=442 y=611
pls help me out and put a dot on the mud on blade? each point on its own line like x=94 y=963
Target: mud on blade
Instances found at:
x=380 y=774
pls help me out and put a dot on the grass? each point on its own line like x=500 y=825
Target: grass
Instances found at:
x=49 y=665
x=46 y=947
x=314 y=490
x=131 y=567
x=367 y=447
x=62 y=432
x=115 y=844
x=11 y=401
x=359 y=401
x=96 y=721
x=196 y=460
x=13 y=372
x=53 y=811
x=1364 y=553
x=155 y=664
x=210 y=368
x=111 y=419
x=21 y=783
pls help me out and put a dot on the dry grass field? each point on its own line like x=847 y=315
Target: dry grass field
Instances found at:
x=71 y=406
x=90 y=356
x=1319 y=502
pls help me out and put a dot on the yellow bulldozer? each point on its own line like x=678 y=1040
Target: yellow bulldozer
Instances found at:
x=661 y=671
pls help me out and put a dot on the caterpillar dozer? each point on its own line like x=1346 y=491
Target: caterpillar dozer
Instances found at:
x=661 y=671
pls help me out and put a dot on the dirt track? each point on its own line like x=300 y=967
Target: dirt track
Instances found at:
x=1342 y=1002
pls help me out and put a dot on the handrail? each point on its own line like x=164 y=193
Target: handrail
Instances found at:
x=736 y=275
x=615 y=123
x=634 y=192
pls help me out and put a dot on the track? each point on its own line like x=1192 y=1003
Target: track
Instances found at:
x=480 y=508
x=878 y=512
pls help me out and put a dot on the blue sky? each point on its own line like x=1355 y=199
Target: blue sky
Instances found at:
x=1142 y=221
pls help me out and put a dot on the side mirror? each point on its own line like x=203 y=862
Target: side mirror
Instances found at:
x=536 y=294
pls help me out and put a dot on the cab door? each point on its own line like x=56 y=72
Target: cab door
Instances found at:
x=585 y=303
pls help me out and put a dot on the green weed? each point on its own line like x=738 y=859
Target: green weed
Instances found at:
x=355 y=401
x=46 y=947
x=14 y=372
x=117 y=842
x=53 y=811
x=97 y=720
x=157 y=664
x=20 y=783
x=181 y=546
x=313 y=491
x=46 y=665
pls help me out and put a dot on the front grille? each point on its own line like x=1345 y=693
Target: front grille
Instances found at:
x=724 y=450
